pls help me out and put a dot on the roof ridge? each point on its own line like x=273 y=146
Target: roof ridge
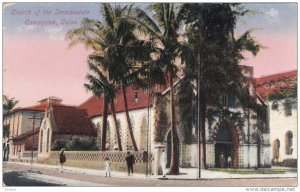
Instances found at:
x=60 y=105
x=279 y=73
x=88 y=99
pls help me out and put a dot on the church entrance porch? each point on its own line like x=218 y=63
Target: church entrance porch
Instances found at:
x=223 y=155
x=223 y=150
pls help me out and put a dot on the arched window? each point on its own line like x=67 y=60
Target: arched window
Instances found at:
x=48 y=139
x=41 y=143
x=108 y=137
x=143 y=134
x=232 y=100
x=287 y=107
x=99 y=135
x=115 y=142
x=225 y=100
x=288 y=143
x=129 y=144
x=119 y=127
x=275 y=105
x=276 y=146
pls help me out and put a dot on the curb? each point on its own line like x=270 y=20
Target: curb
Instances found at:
x=101 y=173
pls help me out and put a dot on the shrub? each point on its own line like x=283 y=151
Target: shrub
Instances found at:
x=290 y=163
x=81 y=144
x=58 y=145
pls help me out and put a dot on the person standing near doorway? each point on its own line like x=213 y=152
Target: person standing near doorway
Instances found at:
x=222 y=160
x=229 y=162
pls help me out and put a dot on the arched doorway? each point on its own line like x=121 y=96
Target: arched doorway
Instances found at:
x=169 y=148
x=226 y=147
x=288 y=143
x=256 y=136
x=276 y=146
x=259 y=148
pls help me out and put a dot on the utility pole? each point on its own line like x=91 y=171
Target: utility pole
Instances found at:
x=33 y=124
x=248 y=133
x=148 y=169
x=148 y=125
x=199 y=115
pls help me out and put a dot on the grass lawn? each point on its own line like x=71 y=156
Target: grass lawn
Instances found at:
x=252 y=171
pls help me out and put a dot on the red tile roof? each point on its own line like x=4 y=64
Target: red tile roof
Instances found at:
x=36 y=108
x=72 y=120
x=43 y=106
x=27 y=134
x=31 y=108
x=94 y=105
x=262 y=83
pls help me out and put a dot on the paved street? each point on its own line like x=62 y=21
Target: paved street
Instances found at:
x=38 y=175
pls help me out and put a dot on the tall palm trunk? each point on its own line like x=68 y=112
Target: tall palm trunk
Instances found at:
x=128 y=118
x=174 y=166
x=202 y=116
x=104 y=122
x=202 y=113
x=116 y=125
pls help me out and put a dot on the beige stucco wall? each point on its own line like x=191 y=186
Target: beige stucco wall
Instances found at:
x=19 y=124
x=137 y=117
x=279 y=125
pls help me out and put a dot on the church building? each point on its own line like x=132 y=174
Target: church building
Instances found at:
x=247 y=144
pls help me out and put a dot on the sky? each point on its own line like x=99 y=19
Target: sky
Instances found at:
x=37 y=62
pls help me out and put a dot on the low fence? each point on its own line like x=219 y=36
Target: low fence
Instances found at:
x=26 y=156
x=95 y=160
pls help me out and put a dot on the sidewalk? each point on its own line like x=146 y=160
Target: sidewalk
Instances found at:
x=185 y=173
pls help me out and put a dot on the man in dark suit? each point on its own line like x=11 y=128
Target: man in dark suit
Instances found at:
x=129 y=161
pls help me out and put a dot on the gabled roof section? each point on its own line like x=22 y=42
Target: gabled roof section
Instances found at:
x=40 y=108
x=35 y=108
x=71 y=120
x=43 y=105
x=276 y=77
x=27 y=134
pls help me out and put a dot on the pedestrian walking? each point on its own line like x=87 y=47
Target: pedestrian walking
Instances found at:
x=107 y=166
x=62 y=159
x=163 y=161
x=129 y=161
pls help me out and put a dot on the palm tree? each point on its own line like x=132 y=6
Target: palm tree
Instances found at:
x=116 y=41
x=126 y=52
x=99 y=86
x=163 y=30
x=216 y=51
x=8 y=104
x=90 y=35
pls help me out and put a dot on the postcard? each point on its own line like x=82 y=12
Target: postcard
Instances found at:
x=122 y=94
